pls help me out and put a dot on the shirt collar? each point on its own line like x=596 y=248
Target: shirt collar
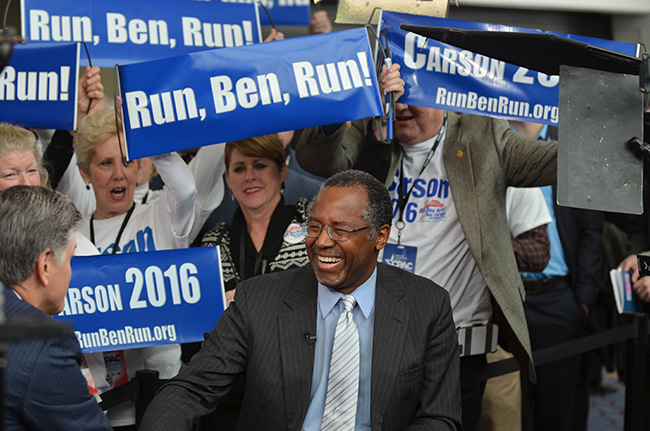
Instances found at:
x=364 y=294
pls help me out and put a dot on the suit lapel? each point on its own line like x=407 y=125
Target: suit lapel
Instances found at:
x=296 y=350
x=391 y=323
x=456 y=156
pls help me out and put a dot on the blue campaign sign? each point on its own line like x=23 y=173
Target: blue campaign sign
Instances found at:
x=283 y=12
x=223 y=95
x=124 y=301
x=38 y=88
x=125 y=31
x=442 y=76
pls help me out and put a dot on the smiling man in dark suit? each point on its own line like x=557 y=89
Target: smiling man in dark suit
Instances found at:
x=284 y=333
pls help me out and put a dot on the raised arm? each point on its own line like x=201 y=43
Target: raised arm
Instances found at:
x=207 y=167
x=177 y=200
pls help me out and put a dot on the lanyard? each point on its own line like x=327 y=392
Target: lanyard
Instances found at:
x=403 y=199
x=119 y=233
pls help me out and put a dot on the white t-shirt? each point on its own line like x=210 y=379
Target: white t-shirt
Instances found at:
x=84 y=246
x=163 y=223
x=432 y=226
x=526 y=209
x=207 y=167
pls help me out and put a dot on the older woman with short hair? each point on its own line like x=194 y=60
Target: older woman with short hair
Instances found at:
x=120 y=225
x=162 y=224
x=20 y=158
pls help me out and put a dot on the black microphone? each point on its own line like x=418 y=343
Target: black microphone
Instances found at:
x=311 y=339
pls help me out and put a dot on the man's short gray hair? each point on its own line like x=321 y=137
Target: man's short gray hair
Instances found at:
x=32 y=220
x=379 y=210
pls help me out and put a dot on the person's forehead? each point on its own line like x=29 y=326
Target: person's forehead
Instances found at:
x=18 y=154
x=342 y=203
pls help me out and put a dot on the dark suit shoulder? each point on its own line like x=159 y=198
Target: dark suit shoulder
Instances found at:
x=295 y=285
x=277 y=280
x=16 y=307
x=400 y=281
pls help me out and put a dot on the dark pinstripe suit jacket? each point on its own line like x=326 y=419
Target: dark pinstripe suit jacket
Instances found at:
x=44 y=388
x=414 y=383
x=482 y=157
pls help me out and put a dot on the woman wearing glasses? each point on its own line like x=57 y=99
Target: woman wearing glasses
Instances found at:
x=265 y=235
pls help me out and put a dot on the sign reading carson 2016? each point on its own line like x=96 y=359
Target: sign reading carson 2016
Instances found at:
x=131 y=300
x=442 y=76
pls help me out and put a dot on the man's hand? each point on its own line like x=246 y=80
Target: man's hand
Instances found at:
x=390 y=80
x=631 y=263
x=642 y=288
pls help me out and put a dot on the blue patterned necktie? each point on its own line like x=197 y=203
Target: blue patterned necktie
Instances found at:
x=343 y=381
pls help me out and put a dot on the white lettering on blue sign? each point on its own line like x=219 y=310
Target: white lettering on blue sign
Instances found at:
x=31 y=86
x=150 y=288
x=215 y=35
x=331 y=77
x=137 y=31
x=399 y=261
x=89 y=300
x=125 y=336
x=249 y=93
x=167 y=107
x=521 y=77
x=449 y=60
x=501 y=105
x=44 y=27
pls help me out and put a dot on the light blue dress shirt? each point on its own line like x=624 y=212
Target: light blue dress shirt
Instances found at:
x=557 y=266
x=329 y=309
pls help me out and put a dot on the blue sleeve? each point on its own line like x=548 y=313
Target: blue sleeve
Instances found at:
x=57 y=397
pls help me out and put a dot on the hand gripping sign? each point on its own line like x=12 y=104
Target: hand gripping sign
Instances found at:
x=223 y=95
x=124 y=301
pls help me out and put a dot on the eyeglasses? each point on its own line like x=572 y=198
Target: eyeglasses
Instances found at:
x=336 y=234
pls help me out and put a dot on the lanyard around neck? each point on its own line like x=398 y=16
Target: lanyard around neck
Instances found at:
x=119 y=233
x=402 y=198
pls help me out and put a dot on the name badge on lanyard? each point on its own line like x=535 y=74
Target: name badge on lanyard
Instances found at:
x=401 y=256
